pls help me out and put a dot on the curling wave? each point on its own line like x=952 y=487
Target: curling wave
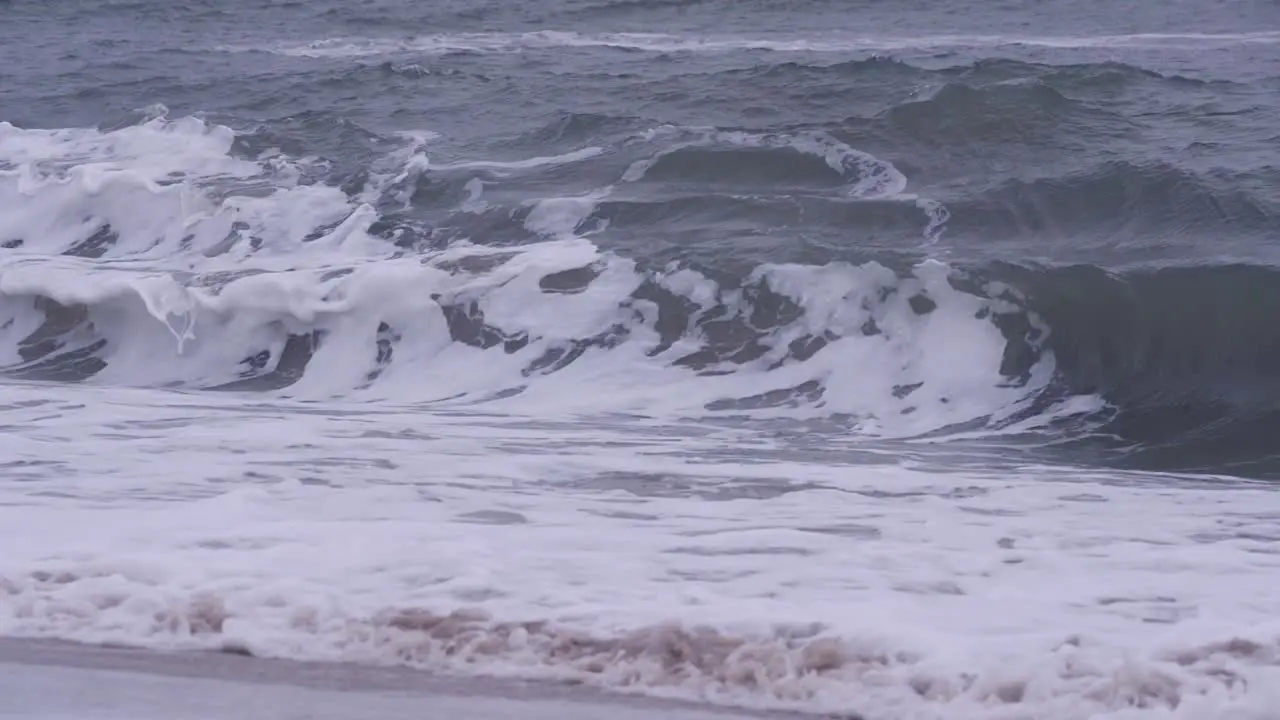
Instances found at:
x=163 y=253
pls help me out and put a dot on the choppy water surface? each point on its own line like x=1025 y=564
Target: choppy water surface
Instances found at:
x=883 y=359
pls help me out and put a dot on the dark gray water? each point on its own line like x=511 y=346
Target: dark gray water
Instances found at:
x=1111 y=174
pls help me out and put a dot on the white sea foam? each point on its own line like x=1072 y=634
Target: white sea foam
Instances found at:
x=569 y=157
x=659 y=559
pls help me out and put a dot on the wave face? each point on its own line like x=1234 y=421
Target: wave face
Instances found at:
x=176 y=253
x=1185 y=357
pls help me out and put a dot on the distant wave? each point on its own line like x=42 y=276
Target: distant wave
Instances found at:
x=985 y=71
x=666 y=43
x=1113 y=199
x=799 y=666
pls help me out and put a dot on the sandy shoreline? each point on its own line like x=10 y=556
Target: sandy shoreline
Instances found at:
x=53 y=679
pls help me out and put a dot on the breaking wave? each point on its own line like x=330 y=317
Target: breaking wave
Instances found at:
x=176 y=253
x=283 y=283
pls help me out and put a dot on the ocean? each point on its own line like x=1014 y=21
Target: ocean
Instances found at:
x=892 y=360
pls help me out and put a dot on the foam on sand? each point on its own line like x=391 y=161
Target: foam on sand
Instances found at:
x=42 y=680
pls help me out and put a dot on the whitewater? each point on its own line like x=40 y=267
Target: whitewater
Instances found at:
x=907 y=373
x=506 y=511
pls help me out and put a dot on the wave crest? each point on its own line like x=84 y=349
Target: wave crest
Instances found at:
x=247 y=273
